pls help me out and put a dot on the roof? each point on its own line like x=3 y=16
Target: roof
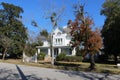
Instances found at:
x=57 y=30
x=65 y=29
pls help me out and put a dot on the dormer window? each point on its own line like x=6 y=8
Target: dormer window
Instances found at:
x=53 y=33
x=59 y=33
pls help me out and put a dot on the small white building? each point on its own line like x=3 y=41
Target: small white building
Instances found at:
x=61 y=43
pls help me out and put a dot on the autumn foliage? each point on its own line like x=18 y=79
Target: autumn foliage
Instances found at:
x=83 y=35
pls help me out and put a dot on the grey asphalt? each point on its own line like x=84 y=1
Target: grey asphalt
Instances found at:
x=22 y=72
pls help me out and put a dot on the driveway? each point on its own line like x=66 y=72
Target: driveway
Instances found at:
x=21 y=72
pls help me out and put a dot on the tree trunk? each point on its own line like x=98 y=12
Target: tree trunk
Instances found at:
x=4 y=54
x=92 y=62
x=115 y=58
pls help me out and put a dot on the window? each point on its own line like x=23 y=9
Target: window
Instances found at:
x=58 y=41
x=61 y=40
x=59 y=33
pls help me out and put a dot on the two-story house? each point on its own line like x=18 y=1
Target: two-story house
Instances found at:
x=60 y=42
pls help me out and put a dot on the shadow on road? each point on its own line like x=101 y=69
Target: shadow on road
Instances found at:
x=87 y=75
x=81 y=74
x=21 y=73
x=30 y=77
x=6 y=74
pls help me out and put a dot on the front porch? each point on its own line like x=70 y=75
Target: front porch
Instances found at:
x=56 y=50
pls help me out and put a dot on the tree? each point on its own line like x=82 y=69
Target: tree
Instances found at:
x=54 y=17
x=12 y=27
x=30 y=49
x=44 y=33
x=82 y=35
x=6 y=43
x=111 y=27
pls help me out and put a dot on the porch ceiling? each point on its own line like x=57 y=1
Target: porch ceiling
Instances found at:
x=53 y=47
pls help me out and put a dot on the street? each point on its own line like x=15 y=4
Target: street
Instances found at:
x=22 y=72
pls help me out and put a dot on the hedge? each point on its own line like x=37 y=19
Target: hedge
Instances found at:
x=63 y=57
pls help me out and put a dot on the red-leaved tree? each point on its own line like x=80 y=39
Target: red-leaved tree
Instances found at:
x=82 y=34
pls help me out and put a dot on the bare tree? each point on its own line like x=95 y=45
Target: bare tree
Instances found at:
x=54 y=18
x=6 y=44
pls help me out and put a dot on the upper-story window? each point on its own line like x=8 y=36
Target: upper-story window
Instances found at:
x=61 y=40
x=59 y=33
x=53 y=33
x=58 y=41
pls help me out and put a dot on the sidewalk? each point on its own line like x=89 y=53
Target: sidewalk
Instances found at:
x=21 y=72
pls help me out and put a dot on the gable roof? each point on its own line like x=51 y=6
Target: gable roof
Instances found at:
x=66 y=29
x=57 y=30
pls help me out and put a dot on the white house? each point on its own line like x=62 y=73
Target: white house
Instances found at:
x=61 y=39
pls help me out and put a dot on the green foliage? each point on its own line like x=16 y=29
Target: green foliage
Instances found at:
x=6 y=43
x=103 y=58
x=12 y=27
x=111 y=7
x=30 y=49
x=41 y=56
x=44 y=33
x=73 y=58
x=63 y=57
x=60 y=57
x=111 y=28
x=78 y=51
x=40 y=43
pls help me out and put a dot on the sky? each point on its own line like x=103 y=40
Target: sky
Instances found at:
x=40 y=10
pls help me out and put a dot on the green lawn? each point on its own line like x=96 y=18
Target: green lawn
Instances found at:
x=77 y=66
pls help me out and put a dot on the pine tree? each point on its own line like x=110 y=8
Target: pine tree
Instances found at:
x=111 y=28
x=12 y=28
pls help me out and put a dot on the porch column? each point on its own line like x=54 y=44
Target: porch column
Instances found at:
x=59 y=51
x=38 y=51
x=49 y=51
x=23 y=56
x=36 y=55
x=73 y=52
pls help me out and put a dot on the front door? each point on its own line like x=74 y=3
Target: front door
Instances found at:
x=56 y=52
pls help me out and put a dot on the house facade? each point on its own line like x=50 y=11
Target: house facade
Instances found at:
x=60 y=42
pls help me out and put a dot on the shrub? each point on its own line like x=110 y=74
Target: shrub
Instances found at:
x=73 y=58
x=103 y=58
x=60 y=57
x=41 y=56
x=63 y=57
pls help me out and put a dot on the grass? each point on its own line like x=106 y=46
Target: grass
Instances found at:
x=76 y=66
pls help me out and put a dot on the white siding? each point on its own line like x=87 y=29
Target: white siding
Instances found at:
x=59 y=38
x=46 y=43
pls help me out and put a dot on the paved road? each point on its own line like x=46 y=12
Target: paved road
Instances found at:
x=21 y=72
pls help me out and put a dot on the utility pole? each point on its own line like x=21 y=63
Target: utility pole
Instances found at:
x=52 y=49
x=54 y=23
x=54 y=17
